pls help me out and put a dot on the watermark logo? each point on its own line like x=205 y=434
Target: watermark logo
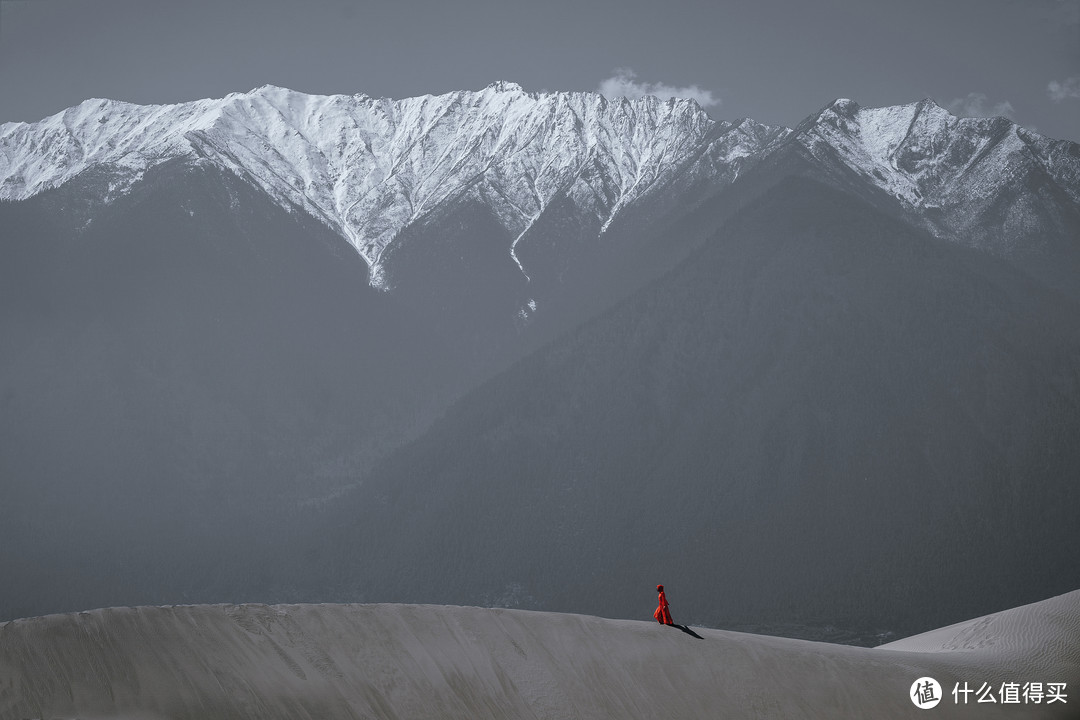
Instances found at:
x=925 y=693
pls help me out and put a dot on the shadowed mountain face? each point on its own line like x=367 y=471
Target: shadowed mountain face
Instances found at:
x=190 y=374
x=191 y=368
x=823 y=416
x=177 y=375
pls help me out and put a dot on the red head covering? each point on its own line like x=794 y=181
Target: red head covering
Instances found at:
x=659 y=588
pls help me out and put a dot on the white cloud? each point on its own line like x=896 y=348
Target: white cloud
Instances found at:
x=1064 y=90
x=978 y=105
x=624 y=84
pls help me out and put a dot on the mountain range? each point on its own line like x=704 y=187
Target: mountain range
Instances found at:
x=537 y=349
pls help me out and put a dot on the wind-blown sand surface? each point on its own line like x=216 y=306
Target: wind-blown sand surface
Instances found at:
x=417 y=661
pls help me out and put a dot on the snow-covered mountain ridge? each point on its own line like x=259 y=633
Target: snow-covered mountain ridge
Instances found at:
x=947 y=170
x=371 y=167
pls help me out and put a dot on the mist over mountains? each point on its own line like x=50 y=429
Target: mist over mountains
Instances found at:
x=538 y=350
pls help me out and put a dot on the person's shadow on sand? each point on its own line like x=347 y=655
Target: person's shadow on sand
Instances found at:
x=688 y=631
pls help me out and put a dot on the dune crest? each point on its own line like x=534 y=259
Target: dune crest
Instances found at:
x=412 y=661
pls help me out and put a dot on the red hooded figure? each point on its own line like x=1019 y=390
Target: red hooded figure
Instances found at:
x=662 y=614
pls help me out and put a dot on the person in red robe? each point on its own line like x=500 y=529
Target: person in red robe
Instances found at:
x=662 y=614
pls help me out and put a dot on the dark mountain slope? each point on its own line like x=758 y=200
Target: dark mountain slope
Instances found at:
x=174 y=377
x=824 y=416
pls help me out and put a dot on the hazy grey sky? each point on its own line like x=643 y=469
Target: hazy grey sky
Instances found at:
x=774 y=60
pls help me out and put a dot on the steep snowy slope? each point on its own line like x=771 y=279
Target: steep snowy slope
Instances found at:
x=371 y=167
x=984 y=182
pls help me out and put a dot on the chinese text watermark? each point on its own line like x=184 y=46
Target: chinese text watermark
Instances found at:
x=926 y=693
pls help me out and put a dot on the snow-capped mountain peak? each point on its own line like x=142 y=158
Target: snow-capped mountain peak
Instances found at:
x=369 y=167
x=919 y=151
x=504 y=86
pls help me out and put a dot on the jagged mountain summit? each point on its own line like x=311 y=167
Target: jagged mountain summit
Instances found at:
x=375 y=169
x=370 y=167
x=985 y=182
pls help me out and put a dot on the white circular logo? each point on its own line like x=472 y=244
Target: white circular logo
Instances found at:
x=925 y=693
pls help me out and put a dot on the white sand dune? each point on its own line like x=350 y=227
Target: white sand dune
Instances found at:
x=415 y=661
